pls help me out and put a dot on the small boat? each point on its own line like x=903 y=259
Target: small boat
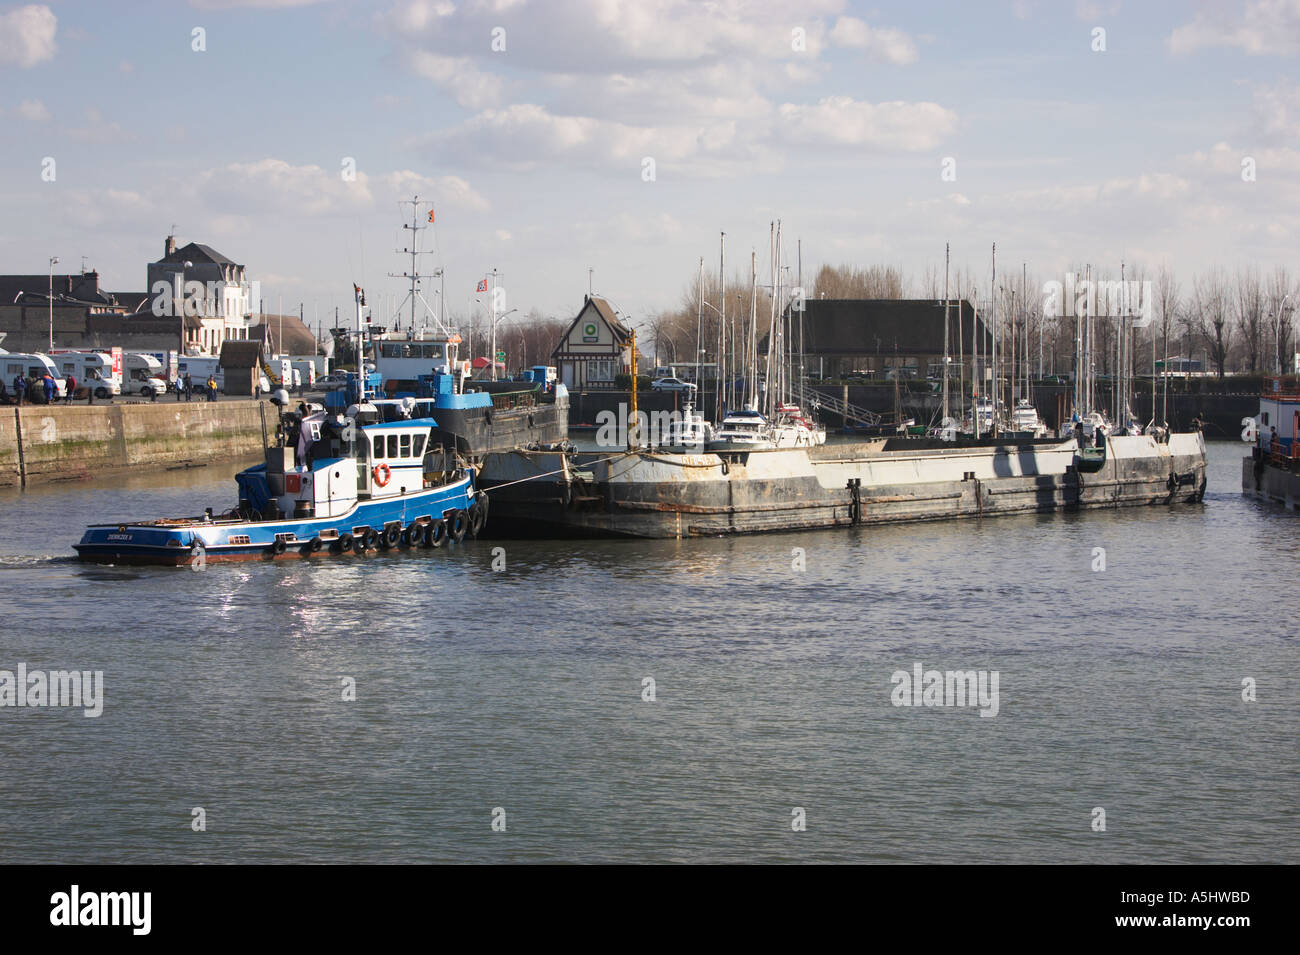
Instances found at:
x=1024 y=419
x=794 y=429
x=689 y=435
x=742 y=430
x=331 y=484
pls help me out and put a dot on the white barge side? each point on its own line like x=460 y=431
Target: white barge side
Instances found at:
x=656 y=494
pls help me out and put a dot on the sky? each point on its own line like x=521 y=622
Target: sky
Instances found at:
x=623 y=136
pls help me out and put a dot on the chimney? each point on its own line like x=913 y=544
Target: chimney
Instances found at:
x=170 y=246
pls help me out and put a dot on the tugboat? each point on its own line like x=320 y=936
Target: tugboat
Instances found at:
x=1271 y=471
x=332 y=484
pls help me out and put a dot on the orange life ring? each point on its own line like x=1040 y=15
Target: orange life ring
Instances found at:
x=382 y=474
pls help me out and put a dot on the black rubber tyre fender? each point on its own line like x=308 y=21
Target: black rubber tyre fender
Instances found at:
x=391 y=537
x=436 y=533
x=345 y=543
x=370 y=539
x=457 y=525
x=278 y=547
x=477 y=518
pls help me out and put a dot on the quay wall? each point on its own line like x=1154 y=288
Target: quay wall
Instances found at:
x=44 y=443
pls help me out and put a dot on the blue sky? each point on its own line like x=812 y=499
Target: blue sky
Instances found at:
x=534 y=154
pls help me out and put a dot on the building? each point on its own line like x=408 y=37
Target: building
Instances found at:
x=596 y=348
x=200 y=283
x=82 y=314
x=241 y=361
x=882 y=338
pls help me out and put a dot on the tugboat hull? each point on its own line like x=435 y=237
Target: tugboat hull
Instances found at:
x=177 y=542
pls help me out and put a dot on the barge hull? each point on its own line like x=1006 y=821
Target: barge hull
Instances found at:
x=646 y=494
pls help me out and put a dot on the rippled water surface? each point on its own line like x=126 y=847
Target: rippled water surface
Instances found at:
x=522 y=689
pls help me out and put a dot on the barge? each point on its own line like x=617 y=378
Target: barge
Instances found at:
x=660 y=494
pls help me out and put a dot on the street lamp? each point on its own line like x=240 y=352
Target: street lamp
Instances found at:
x=495 y=322
x=54 y=259
x=1277 y=346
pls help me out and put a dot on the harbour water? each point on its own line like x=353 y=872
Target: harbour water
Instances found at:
x=522 y=689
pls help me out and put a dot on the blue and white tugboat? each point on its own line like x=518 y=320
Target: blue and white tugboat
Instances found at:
x=370 y=478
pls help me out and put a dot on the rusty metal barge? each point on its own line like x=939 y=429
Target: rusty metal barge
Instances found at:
x=649 y=493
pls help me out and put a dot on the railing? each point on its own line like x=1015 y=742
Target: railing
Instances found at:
x=849 y=412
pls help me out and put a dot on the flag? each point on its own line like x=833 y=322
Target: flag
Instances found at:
x=430 y=215
x=482 y=285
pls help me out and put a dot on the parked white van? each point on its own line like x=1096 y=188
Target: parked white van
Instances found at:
x=144 y=376
x=33 y=366
x=93 y=370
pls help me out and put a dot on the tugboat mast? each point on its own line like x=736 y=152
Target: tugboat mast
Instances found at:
x=416 y=226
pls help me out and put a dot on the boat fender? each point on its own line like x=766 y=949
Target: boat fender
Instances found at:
x=382 y=475
x=725 y=467
x=477 y=518
x=278 y=547
x=411 y=536
x=345 y=543
x=370 y=539
x=313 y=546
x=483 y=501
x=391 y=536
x=457 y=524
x=436 y=533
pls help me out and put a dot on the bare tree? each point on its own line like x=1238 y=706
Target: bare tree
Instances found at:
x=1168 y=294
x=846 y=281
x=1248 y=303
x=1211 y=310
x=1281 y=307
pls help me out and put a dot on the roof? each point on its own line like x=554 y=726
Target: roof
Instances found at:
x=197 y=252
x=240 y=354
x=70 y=287
x=858 y=327
x=622 y=335
x=607 y=313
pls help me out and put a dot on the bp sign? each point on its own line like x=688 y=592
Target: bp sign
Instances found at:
x=590 y=333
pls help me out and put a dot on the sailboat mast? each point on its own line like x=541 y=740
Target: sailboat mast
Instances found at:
x=993 y=317
x=947 y=253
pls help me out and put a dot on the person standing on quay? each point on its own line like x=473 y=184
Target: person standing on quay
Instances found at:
x=20 y=389
x=189 y=387
x=179 y=386
x=72 y=388
x=48 y=381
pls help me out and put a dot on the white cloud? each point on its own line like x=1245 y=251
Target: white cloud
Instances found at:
x=881 y=43
x=33 y=110
x=842 y=120
x=264 y=4
x=27 y=35
x=1277 y=111
x=449 y=190
x=96 y=129
x=472 y=88
x=1263 y=27
x=277 y=187
x=525 y=135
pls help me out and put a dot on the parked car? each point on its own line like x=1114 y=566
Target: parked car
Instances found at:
x=671 y=384
x=332 y=381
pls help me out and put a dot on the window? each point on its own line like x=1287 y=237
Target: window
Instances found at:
x=404 y=445
x=417 y=446
x=392 y=445
x=378 y=451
